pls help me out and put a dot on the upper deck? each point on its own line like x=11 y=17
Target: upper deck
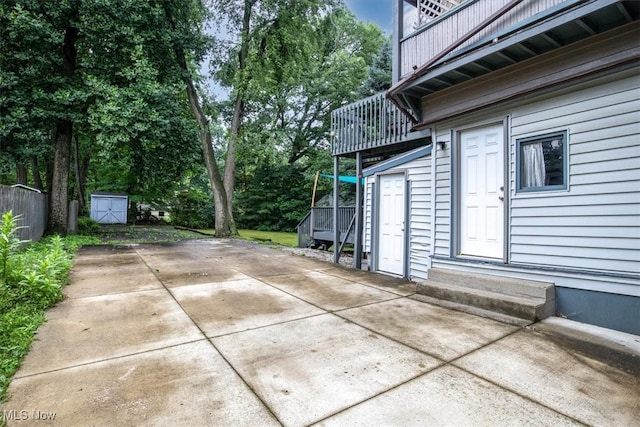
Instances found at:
x=425 y=28
x=372 y=126
x=476 y=39
x=456 y=56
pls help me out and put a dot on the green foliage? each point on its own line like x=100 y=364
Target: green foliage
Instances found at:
x=124 y=96
x=9 y=243
x=289 y=98
x=17 y=328
x=305 y=59
x=86 y=225
x=31 y=282
x=36 y=274
x=276 y=198
x=193 y=209
x=379 y=72
x=128 y=106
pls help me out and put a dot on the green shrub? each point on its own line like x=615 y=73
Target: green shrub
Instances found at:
x=9 y=243
x=193 y=209
x=87 y=225
x=30 y=281
x=276 y=199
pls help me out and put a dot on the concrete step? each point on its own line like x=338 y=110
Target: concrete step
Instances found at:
x=523 y=299
x=477 y=311
x=487 y=282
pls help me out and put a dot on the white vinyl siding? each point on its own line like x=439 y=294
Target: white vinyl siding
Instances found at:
x=595 y=224
x=368 y=186
x=419 y=173
x=419 y=232
x=443 y=196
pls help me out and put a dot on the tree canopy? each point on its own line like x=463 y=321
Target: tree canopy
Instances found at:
x=105 y=95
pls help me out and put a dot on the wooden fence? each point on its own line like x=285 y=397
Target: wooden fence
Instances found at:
x=30 y=205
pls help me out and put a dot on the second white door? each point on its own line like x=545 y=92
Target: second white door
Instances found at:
x=391 y=243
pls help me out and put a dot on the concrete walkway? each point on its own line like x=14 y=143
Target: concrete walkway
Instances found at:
x=223 y=332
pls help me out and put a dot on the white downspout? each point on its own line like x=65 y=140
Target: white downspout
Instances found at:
x=434 y=155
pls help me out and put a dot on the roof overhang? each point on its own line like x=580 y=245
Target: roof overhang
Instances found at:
x=559 y=26
x=397 y=161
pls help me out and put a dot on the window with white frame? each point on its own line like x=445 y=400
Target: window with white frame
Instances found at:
x=542 y=162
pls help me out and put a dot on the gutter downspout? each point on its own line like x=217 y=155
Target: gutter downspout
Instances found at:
x=392 y=93
x=434 y=188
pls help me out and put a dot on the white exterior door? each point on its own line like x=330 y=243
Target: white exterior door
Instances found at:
x=391 y=240
x=482 y=192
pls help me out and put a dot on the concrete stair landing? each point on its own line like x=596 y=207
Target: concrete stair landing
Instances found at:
x=503 y=298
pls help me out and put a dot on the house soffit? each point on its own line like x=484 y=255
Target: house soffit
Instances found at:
x=560 y=26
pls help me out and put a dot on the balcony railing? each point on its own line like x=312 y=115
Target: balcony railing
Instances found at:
x=369 y=124
x=438 y=28
x=428 y=10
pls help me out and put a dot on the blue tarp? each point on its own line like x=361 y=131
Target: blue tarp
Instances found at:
x=343 y=178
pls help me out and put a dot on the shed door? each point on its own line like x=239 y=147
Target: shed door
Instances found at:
x=482 y=192
x=110 y=210
x=391 y=224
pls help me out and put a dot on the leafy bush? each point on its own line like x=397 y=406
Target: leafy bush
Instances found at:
x=31 y=279
x=9 y=243
x=193 y=209
x=86 y=225
x=276 y=199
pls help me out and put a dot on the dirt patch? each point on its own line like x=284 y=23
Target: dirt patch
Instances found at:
x=118 y=233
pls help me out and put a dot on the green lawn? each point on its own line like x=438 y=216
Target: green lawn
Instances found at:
x=277 y=237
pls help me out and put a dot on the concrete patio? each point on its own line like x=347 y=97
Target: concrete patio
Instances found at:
x=225 y=332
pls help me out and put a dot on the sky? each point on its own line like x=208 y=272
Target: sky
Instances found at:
x=377 y=11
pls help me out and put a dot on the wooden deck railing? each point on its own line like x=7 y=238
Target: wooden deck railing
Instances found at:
x=368 y=124
x=442 y=22
x=318 y=224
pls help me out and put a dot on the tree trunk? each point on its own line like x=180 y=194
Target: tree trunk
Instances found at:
x=223 y=216
x=230 y=161
x=224 y=224
x=238 y=114
x=21 y=173
x=80 y=173
x=84 y=170
x=59 y=198
x=37 y=178
x=49 y=176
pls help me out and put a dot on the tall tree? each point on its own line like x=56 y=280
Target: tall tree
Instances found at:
x=98 y=68
x=289 y=109
x=272 y=44
x=184 y=26
x=379 y=74
x=286 y=128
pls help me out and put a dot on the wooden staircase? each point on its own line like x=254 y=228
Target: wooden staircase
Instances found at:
x=316 y=228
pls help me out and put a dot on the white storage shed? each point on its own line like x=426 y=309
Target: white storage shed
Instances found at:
x=109 y=208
